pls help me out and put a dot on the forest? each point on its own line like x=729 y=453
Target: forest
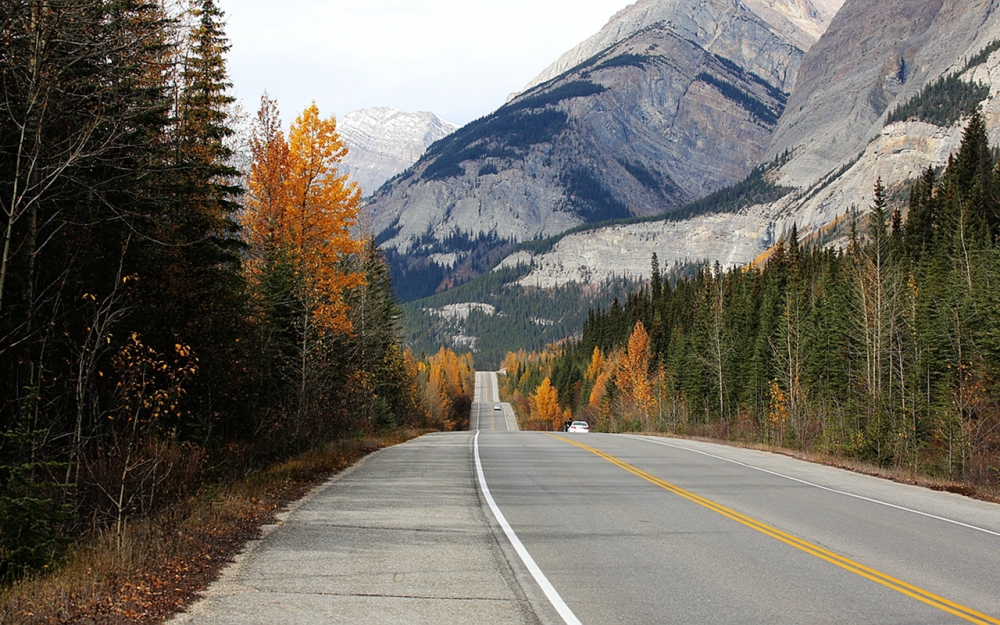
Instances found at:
x=183 y=294
x=885 y=350
x=521 y=315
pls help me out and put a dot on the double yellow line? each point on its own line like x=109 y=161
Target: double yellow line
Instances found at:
x=909 y=590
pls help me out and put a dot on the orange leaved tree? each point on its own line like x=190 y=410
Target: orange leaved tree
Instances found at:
x=296 y=221
x=633 y=374
x=322 y=207
x=446 y=381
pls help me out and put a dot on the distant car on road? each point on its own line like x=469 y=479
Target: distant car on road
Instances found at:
x=579 y=426
x=497 y=407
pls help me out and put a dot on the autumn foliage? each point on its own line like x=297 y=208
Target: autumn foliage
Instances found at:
x=300 y=210
x=884 y=350
x=168 y=320
x=446 y=384
x=632 y=375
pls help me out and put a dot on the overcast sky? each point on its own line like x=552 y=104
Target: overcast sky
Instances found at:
x=458 y=59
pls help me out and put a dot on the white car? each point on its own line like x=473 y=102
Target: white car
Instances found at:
x=497 y=407
x=578 y=426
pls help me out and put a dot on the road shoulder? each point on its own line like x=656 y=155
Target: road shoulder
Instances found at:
x=401 y=538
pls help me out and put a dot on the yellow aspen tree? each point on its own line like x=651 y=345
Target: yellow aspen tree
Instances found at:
x=596 y=365
x=600 y=388
x=439 y=399
x=633 y=371
x=412 y=369
x=545 y=405
x=297 y=220
x=322 y=207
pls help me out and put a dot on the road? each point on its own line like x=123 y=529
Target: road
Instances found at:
x=500 y=526
x=649 y=530
x=484 y=414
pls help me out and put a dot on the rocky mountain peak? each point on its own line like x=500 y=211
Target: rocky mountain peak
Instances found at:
x=670 y=102
x=383 y=141
x=880 y=55
x=801 y=22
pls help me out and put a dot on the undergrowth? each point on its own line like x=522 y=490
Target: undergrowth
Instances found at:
x=163 y=561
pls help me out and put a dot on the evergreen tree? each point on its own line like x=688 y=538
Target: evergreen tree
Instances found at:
x=197 y=289
x=81 y=125
x=656 y=280
x=372 y=350
x=922 y=217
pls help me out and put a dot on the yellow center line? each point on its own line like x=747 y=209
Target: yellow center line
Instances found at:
x=909 y=590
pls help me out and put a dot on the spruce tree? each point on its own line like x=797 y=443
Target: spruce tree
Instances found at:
x=196 y=288
x=921 y=219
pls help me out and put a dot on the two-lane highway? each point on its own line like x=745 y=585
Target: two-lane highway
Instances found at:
x=649 y=530
x=488 y=412
x=631 y=529
x=500 y=526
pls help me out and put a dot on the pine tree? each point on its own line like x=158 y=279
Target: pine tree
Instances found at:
x=656 y=281
x=875 y=318
x=372 y=348
x=83 y=112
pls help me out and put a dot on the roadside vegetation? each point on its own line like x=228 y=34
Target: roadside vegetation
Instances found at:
x=159 y=563
x=190 y=324
x=886 y=353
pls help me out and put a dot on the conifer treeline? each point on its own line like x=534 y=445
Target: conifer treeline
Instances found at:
x=887 y=351
x=152 y=334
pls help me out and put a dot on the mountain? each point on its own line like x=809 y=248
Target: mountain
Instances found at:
x=672 y=100
x=881 y=95
x=384 y=141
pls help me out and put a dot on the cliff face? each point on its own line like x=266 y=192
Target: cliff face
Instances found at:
x=875 y=57
x=682 y=100
x=384 y=141
x=866 y=60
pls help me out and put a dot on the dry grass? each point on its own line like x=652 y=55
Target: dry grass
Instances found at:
x=895 y=474
x=164 y=561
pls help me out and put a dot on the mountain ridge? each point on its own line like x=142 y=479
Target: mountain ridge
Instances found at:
x=827 y=169
x=802 y=21
x=643 y=127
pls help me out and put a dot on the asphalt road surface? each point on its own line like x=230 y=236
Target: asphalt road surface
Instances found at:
x=497 y=526
x=651 y=530
x=485 y=415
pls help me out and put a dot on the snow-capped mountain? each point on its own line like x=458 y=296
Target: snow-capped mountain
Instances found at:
x=384 y=141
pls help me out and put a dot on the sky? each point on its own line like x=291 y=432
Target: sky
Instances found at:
x=458 y=59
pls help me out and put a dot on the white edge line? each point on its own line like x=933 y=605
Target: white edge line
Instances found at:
x=826 y=488
x=550 y=591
